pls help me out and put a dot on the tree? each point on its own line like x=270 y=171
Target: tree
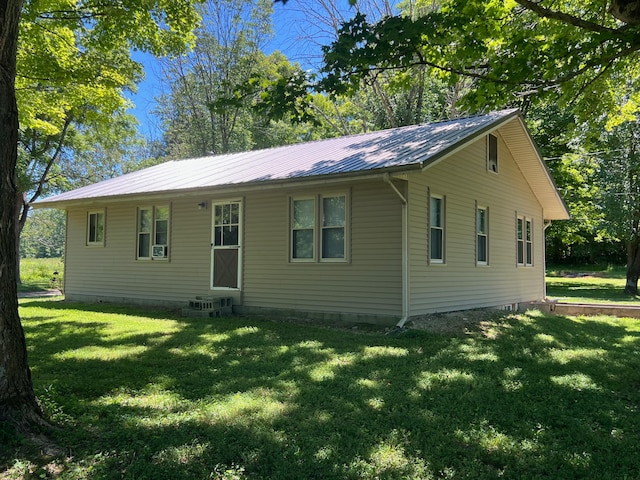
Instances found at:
x=17 y=398
x=514 y=51
x=160 y=26
x=207 y=110
x=619 y=177
x=86 y=149
x=70 y=94
x=43 y=235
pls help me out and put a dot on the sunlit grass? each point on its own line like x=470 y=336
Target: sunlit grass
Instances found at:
x=40 y=274
x=571 y=287
x=148 y=395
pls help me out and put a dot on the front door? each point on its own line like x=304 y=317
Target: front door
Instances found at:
x=226 y=248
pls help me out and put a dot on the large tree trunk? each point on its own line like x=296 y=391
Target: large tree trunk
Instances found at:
x=21 y=209
x=17 y=400
x=633 y=265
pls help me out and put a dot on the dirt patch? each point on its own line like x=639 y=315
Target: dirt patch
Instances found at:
x=459 y=323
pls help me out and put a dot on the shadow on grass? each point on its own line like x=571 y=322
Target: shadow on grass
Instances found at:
x=527 y=397
x=601 y=291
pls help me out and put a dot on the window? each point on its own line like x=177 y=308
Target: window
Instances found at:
x=320 y=220
x=492 y=153
x=524 y=240
x=334 y=219
x=482 y=223
x=528 y=242
x=95 y=228
x=153 y=233
x=436 y=232
x=226 y=224
x=303 y=229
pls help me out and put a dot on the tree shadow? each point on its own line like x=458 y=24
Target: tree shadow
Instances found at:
x=542 y=396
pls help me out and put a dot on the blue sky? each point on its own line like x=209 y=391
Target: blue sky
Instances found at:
x=291 y=25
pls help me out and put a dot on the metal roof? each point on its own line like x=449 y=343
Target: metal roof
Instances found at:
x=398 y=149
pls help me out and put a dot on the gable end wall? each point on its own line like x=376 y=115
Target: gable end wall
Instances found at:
x=459 y=283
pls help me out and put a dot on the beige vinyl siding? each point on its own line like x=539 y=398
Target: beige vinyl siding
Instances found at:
x=112 y=272
x=459 y=284
x=369 y=282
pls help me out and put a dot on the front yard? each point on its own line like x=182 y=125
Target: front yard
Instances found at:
x=148 y=395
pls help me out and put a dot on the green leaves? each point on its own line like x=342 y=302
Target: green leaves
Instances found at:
x=510 y=49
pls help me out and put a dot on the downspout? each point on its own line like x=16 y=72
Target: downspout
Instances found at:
x=547 y=224
x=405 y=251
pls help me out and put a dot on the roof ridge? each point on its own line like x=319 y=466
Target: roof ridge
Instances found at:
x=344 y=137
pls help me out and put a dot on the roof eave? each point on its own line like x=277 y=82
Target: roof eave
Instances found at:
x=237 y=188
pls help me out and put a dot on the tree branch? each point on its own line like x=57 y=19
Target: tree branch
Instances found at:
x=544 y=12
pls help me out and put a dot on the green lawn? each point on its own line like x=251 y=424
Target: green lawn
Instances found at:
x=599 y=285
x=148 y=395
x=39 y=274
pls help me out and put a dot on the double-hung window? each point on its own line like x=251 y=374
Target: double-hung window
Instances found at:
x=524 y=241
x=303 y=229
x=436 y=229
x=319 y=228
x=95 y=228
x=482 y=236
x=153 y=233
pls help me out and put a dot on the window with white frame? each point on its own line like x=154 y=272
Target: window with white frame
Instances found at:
x=334 y=221
x=319 y=228
x=524 y=241
x=482 y=236
x=153 y=233
x=528 y=239
x=436 y=229
x=303 y=224
x=492 y=153
x=95 y=228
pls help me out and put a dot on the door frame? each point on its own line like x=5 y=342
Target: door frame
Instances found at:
x=238 y=247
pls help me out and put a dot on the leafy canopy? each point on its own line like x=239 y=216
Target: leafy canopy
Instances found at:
x=513 y=50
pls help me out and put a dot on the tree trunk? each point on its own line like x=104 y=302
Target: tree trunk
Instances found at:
x=633 y=265
x=17 y=400
x=21 y=209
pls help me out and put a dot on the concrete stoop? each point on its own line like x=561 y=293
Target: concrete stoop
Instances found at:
x=630 y=311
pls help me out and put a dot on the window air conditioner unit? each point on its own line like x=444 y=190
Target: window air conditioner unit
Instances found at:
x=158 y=251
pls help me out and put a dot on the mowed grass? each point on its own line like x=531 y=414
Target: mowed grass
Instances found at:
x=599 y=285
x=149 y=395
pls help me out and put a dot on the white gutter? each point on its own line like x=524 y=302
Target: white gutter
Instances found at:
x=405 y=251
x=547 y=224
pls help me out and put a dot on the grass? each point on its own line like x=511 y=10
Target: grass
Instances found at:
x=38 y=274
x=148 y=395
x=604 y=284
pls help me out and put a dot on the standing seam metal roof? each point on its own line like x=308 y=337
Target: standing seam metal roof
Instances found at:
x=398 y=148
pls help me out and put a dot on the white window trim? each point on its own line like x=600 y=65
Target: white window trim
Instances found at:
x=321 y=227
x=443 y=214
x=528 y=242
x=482 y=263
x=292 y=200
x=318 y=227
x=95 y=243
x=527 y=261
x=153 y=232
